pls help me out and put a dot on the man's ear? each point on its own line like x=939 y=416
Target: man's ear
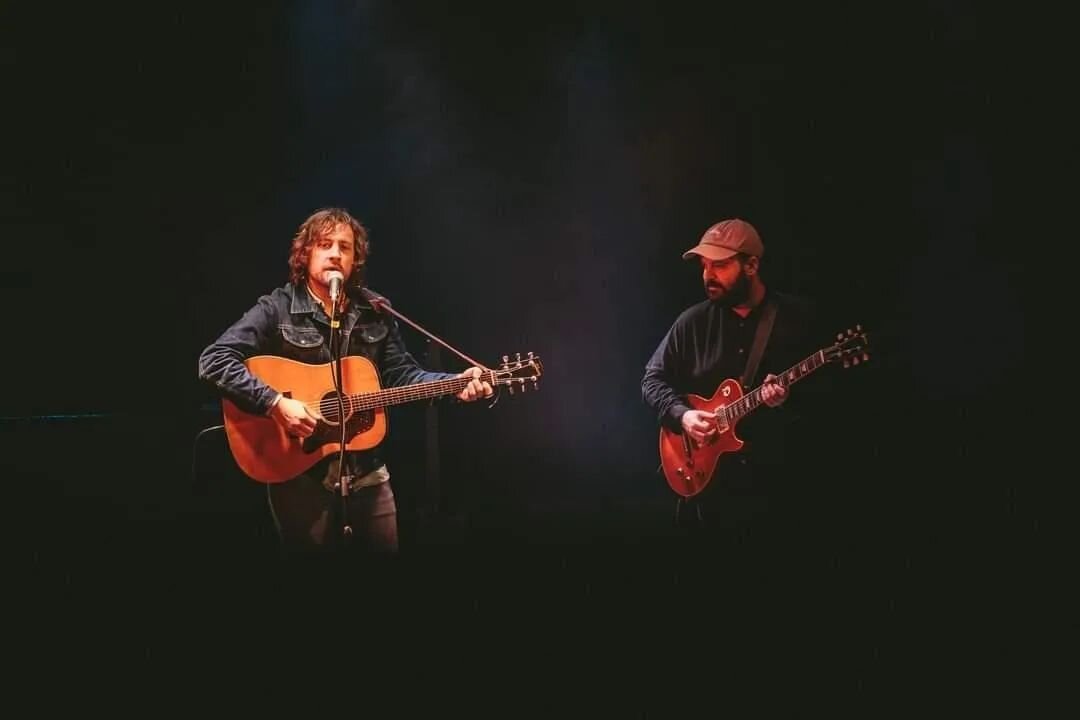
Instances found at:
x=751 y=264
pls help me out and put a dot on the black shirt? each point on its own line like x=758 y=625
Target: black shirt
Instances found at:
x=710 y=342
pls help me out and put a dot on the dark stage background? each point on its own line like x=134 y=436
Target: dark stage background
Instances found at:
x=530 y=176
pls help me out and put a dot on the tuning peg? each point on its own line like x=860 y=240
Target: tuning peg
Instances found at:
x=865 y=356
x=505 y=359
x=846 y=364
x=840 y=336
x=536 y=384
x=510 y=388
x=858 y=328
x=531 y=356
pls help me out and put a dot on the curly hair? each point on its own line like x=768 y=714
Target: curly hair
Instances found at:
x=311 y=230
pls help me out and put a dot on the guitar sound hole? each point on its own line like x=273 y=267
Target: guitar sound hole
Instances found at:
x=328 y=407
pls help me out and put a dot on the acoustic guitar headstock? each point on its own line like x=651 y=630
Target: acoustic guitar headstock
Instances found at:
x=519 y=372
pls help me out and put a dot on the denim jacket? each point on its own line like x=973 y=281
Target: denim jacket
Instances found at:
x=289 y=323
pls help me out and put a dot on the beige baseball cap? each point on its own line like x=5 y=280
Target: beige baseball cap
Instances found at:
x=726 y=238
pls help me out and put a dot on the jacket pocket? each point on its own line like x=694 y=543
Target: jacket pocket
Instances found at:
x=303 y=342
x=366 y=339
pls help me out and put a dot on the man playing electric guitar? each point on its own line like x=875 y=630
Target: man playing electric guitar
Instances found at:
x=317 y=316
x=715 y=341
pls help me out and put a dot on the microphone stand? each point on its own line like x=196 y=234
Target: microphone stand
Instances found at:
x=335 y=371
x=381 y=304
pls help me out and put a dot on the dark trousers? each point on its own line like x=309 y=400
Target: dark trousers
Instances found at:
x=737 y=515
x=309 y=518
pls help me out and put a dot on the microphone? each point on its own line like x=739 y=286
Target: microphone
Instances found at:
x=336 y=278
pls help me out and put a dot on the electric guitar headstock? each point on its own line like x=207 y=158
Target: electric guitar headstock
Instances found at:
x=519 y=372
x=850 y=348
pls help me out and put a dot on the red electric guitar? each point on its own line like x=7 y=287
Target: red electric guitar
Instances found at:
x=689 y=467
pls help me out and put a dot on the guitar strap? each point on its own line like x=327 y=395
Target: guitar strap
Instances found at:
x=764 y=328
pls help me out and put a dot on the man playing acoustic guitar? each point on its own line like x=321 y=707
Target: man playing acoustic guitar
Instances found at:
x=710 y=343
x=300 y=324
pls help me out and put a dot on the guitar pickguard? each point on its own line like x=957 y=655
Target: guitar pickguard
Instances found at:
x=327 y=433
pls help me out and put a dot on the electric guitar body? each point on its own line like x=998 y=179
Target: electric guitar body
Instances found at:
x=688 y=466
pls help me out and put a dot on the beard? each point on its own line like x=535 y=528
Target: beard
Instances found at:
x=736 y=294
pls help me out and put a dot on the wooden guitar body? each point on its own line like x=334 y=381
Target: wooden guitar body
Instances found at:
x=266 y=453
x=262 y=448
x=688 y=467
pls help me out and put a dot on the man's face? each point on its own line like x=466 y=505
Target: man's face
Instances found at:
x=333 y=250
x=726 y=281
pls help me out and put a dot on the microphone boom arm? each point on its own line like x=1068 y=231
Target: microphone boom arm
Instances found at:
x=381 y=304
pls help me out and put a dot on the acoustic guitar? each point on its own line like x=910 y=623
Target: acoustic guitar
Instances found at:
x=689 y=467
x=267 y=454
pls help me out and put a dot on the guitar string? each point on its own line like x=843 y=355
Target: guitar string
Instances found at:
x=392 y=395
x=783 y=377
x=817 y=360
x=403 y=393
x=389 y=394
